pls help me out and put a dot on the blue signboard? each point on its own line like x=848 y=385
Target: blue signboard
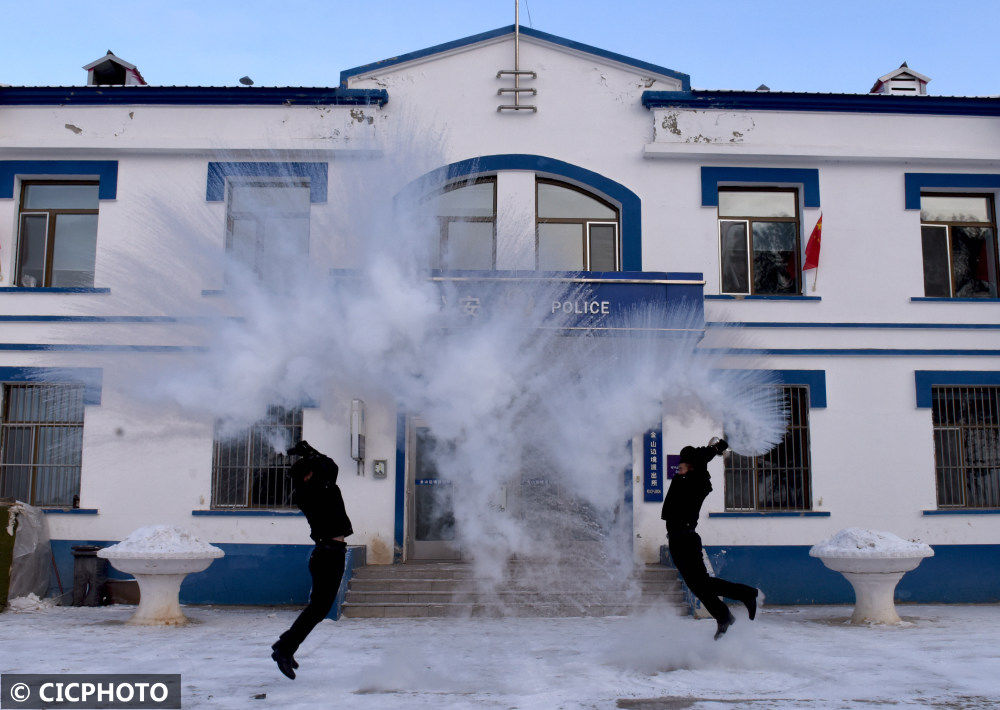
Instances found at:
x=652 y=466
x=582 y=301
x=673 y=460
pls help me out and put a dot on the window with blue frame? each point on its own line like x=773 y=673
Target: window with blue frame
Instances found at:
x=959 y=243
x=759 y=241
x=779 y=480
x=57 y=234
x=575 y=230
x=248 y=470
x=41 y=443
x=267 y=223
x=966 y=445
x=466 y=216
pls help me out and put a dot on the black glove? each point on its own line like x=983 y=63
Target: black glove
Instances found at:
x=721 y=445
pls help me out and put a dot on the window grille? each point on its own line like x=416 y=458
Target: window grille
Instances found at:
x=247 y=471
x=780 y=479
x=41 y=443
x=967 y=446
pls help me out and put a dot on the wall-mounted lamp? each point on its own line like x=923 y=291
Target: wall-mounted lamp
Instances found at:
x=358 y=434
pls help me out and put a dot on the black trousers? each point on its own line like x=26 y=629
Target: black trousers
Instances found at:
x=685 y=551
x=326 y=565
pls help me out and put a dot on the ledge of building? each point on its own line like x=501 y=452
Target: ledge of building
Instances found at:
x=771 y=514
x=963 y=511
x=52 y=289
x=730 y=297
x=249 y=513
x=941 y=299
x=70 y=511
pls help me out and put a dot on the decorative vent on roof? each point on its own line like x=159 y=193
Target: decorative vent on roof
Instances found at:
x=110 y=70
x=517 y=73
x=903 y=81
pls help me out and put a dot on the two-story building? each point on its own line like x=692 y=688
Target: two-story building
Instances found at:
x=887 y=355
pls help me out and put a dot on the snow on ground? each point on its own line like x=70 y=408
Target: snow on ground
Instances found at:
x=792 y=657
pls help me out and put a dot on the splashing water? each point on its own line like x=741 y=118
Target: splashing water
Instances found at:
x=519 y=405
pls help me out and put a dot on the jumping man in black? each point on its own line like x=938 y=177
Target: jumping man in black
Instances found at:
x=315 y=492
x=681 y=508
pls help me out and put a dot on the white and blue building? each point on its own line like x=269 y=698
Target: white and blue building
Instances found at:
x=890 y=360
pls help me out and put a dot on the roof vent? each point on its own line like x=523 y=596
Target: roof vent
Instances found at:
x=763 y=87
x=902 y=81
x=110 y=70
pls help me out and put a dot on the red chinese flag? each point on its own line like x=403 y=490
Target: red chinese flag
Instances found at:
x=812 y=246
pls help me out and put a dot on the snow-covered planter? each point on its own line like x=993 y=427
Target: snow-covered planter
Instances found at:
x=873 y=562
x=160 y=557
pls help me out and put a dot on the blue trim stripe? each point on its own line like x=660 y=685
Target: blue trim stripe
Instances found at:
x=400 y=501
x=915 y=182
x=106 y=172
x=218 y=172
x=833 y=103
x=71 y=511
x=712 y=176
x=815 y=379
x=917 y=326
x=631 y=206
x=853 y=351
x=189 y=96
x=90 y=377
x=771 y=514
x=963 y=511
x=945 y=299
x=348 y=74
x=248 y=513
x=730 y=297
x=99 y=319
x=64 y=348
x=923 y=380
x=52 y=289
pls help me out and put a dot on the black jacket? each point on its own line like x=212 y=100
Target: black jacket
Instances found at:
x=687 y=492
x=320 y=498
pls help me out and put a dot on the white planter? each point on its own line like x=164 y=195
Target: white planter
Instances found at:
x=874 y=580
x=873 y=562
x=159 y=558
x=159 y=587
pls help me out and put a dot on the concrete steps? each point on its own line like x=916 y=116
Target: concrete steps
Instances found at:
x=450 y=589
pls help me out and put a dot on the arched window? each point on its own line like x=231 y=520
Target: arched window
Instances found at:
x=466 y=213
x=576 y=231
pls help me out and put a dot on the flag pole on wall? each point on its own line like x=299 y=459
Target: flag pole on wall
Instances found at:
x=812 y=250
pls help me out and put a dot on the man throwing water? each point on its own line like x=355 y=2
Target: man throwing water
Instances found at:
x=681 y=508
x=315 y=492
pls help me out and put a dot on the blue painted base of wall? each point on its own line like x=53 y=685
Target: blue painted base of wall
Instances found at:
x=956 y=574
x=248 y=574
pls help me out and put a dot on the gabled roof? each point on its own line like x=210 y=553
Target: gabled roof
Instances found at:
x=903 y=72
x=527 y=32
x=903 y=69
x=109 y=57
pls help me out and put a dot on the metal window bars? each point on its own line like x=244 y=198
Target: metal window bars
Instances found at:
x=41 y=443
x=780 y=479
x=966 y=446
x=247 y=471
x=517 y=73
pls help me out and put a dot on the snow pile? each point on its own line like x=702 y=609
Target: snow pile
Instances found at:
x=860 y=542
x=30 y=603
x=164 y=541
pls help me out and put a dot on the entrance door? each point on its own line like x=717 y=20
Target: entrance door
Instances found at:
x=431 y=515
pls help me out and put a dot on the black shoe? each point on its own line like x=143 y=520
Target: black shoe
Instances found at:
x=751 y=604
x=295 y=664
x=286 y=664
x=724 y=626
